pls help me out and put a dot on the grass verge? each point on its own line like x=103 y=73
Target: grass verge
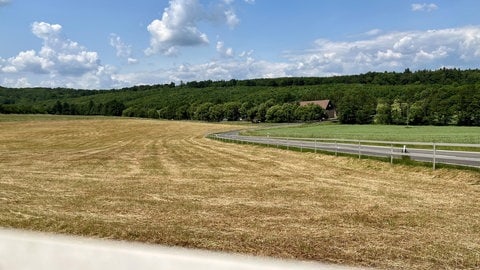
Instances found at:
x=438 y=134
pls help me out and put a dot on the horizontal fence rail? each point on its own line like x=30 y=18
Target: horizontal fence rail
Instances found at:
x=435 y=153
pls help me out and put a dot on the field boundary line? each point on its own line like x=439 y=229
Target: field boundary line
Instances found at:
x=430 y=153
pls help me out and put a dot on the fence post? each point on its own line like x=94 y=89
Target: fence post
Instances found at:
x=434 y=155
x=359 y=151
x=336 y=148
x=391 y=154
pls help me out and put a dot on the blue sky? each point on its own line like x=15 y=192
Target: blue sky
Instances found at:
x=103 y=44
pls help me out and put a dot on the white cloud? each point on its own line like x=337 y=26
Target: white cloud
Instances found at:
x=250 y=1
x=424 y=7
x=232 y=19
x=246 y=54
x=4 y=2
x=78 y=63
x=9 y=69
x=17 y=83
x=123 y=50
x=45 y=30
x=60 y=61
x=423 y=56
x=457 y=47
x=247 y=68
x=29 y=61
x=388 y=55
x=243 y=67
x=132 y=61
x=373 y=32
x=226 y=52
x=391 y=51
x=58 y=54
x=179 y=25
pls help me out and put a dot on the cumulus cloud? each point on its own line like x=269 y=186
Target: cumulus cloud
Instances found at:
x=224 y=70
x=179 y=25
x=17 y=83
x=373 y=32
x=60 y=61
x=390 y=51
x=123 y=50
x=58 y=55
x=458 y=47
x=28 y=61
x=242 y=66
x=132 y=61
x=232 y=19
x=46 y=31
x=64 y=62
x=226 y=52
x=424 y=7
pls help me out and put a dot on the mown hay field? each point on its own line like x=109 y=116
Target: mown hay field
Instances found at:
x=163 y=182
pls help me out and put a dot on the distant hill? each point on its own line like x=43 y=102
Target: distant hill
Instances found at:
x=440 y=97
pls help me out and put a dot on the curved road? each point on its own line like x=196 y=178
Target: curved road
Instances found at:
x=462 y=158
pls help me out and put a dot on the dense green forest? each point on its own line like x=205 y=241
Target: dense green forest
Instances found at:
x=440 y=97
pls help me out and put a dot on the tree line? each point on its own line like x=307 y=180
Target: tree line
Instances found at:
x=440 y=76
x=440 y=97
x=438 y=105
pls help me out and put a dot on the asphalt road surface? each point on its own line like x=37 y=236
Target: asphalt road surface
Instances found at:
x=462 y=158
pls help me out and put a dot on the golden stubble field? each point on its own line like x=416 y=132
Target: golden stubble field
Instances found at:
x=163 y=182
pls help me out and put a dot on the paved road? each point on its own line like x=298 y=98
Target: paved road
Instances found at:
x=462 y=158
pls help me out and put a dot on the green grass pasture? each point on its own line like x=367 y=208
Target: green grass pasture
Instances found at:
x=438 y=134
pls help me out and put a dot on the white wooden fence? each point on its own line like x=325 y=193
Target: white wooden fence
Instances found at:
x=435 y=153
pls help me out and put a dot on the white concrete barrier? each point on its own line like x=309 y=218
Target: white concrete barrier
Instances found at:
x=27 y=250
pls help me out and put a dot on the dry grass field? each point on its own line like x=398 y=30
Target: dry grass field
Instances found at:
x=163 y=182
